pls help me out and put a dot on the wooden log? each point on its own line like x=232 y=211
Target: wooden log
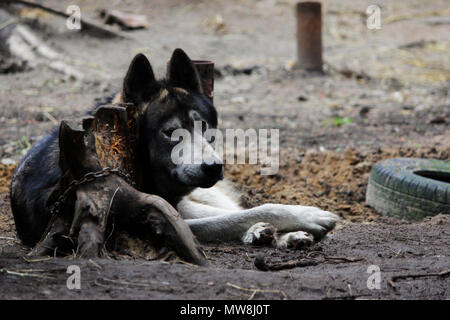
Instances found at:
x=18 y=42
x=86 y=24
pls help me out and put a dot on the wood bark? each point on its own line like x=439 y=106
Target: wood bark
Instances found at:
x=108 y=139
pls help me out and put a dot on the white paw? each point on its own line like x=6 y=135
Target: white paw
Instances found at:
x=260 y=233
x=302 y=218
x=294 y=240
x=317 y=222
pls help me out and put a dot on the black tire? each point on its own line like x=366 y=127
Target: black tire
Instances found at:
x=410 y=188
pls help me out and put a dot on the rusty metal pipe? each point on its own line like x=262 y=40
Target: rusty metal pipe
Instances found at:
x=205 y=70
x=309 y=35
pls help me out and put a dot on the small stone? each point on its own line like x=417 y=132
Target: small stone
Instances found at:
x=239 y=100
x=364 y=110
x=8 y=161
x=438 y=120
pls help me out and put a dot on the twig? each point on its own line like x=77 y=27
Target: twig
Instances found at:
x=261 y=264
x=255 y=290
x=109 y=210
x=6 y=238
x=399 y=17
x=178 y=260
x=7 y=23
x=345 y=297
x=25 y=274
x=342 y=259
x=124 y=283
x=36 y=260
x=84 y=22
x=421 y=275
x=392 y=284
x=337 y=259
x=96 y=282
x=95 y=264
x=50 y=117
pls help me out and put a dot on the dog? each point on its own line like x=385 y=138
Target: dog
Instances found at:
x=207 y=203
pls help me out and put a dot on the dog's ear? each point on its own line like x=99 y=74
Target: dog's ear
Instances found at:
x=139 y=83
x=182 y=73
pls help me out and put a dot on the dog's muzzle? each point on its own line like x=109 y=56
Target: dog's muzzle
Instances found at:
x=204 y=175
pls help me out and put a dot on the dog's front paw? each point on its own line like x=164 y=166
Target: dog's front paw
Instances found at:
x=260 y=233
x=320 y=222
x=303 y=218
x=295 y=240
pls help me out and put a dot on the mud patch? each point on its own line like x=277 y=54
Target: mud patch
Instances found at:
x=6 y=173
x=332 y=181
x=7 y=228
x=399 y=249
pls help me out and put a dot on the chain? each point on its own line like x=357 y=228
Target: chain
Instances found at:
x=88 y=177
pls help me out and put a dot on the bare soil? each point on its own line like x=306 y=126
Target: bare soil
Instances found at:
x=384 y=94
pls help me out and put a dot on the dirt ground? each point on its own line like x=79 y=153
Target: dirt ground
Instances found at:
x=384 y=94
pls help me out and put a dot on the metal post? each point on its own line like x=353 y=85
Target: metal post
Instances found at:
x=205 y=70
x=309 y=35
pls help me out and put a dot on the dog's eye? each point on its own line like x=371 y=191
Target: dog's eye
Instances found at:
x=204 y=126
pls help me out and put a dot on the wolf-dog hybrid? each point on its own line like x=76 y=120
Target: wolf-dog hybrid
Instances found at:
x=197 y=190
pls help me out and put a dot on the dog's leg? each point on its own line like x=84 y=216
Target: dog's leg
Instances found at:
x=189 y=209
x=233 y=225
x=254 y=226
x=201 y=203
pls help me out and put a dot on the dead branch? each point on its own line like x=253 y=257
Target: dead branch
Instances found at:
x=46 y=258
x=346 y=297
x=19 y=43
x=256 y=290
x=261 y=264
x=120 y=284
x=334 y=259
x=86 y=24
x=127 y=21
x=420 y=275
x=342 y=259
x=26 y=274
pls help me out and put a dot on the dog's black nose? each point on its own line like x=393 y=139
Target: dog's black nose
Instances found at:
x=213 y=170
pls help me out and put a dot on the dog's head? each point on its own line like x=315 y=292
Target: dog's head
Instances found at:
x=165 y=106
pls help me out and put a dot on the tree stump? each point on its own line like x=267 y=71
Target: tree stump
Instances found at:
x=99 y=153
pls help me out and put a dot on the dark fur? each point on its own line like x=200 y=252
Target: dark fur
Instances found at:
x=39 y=172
